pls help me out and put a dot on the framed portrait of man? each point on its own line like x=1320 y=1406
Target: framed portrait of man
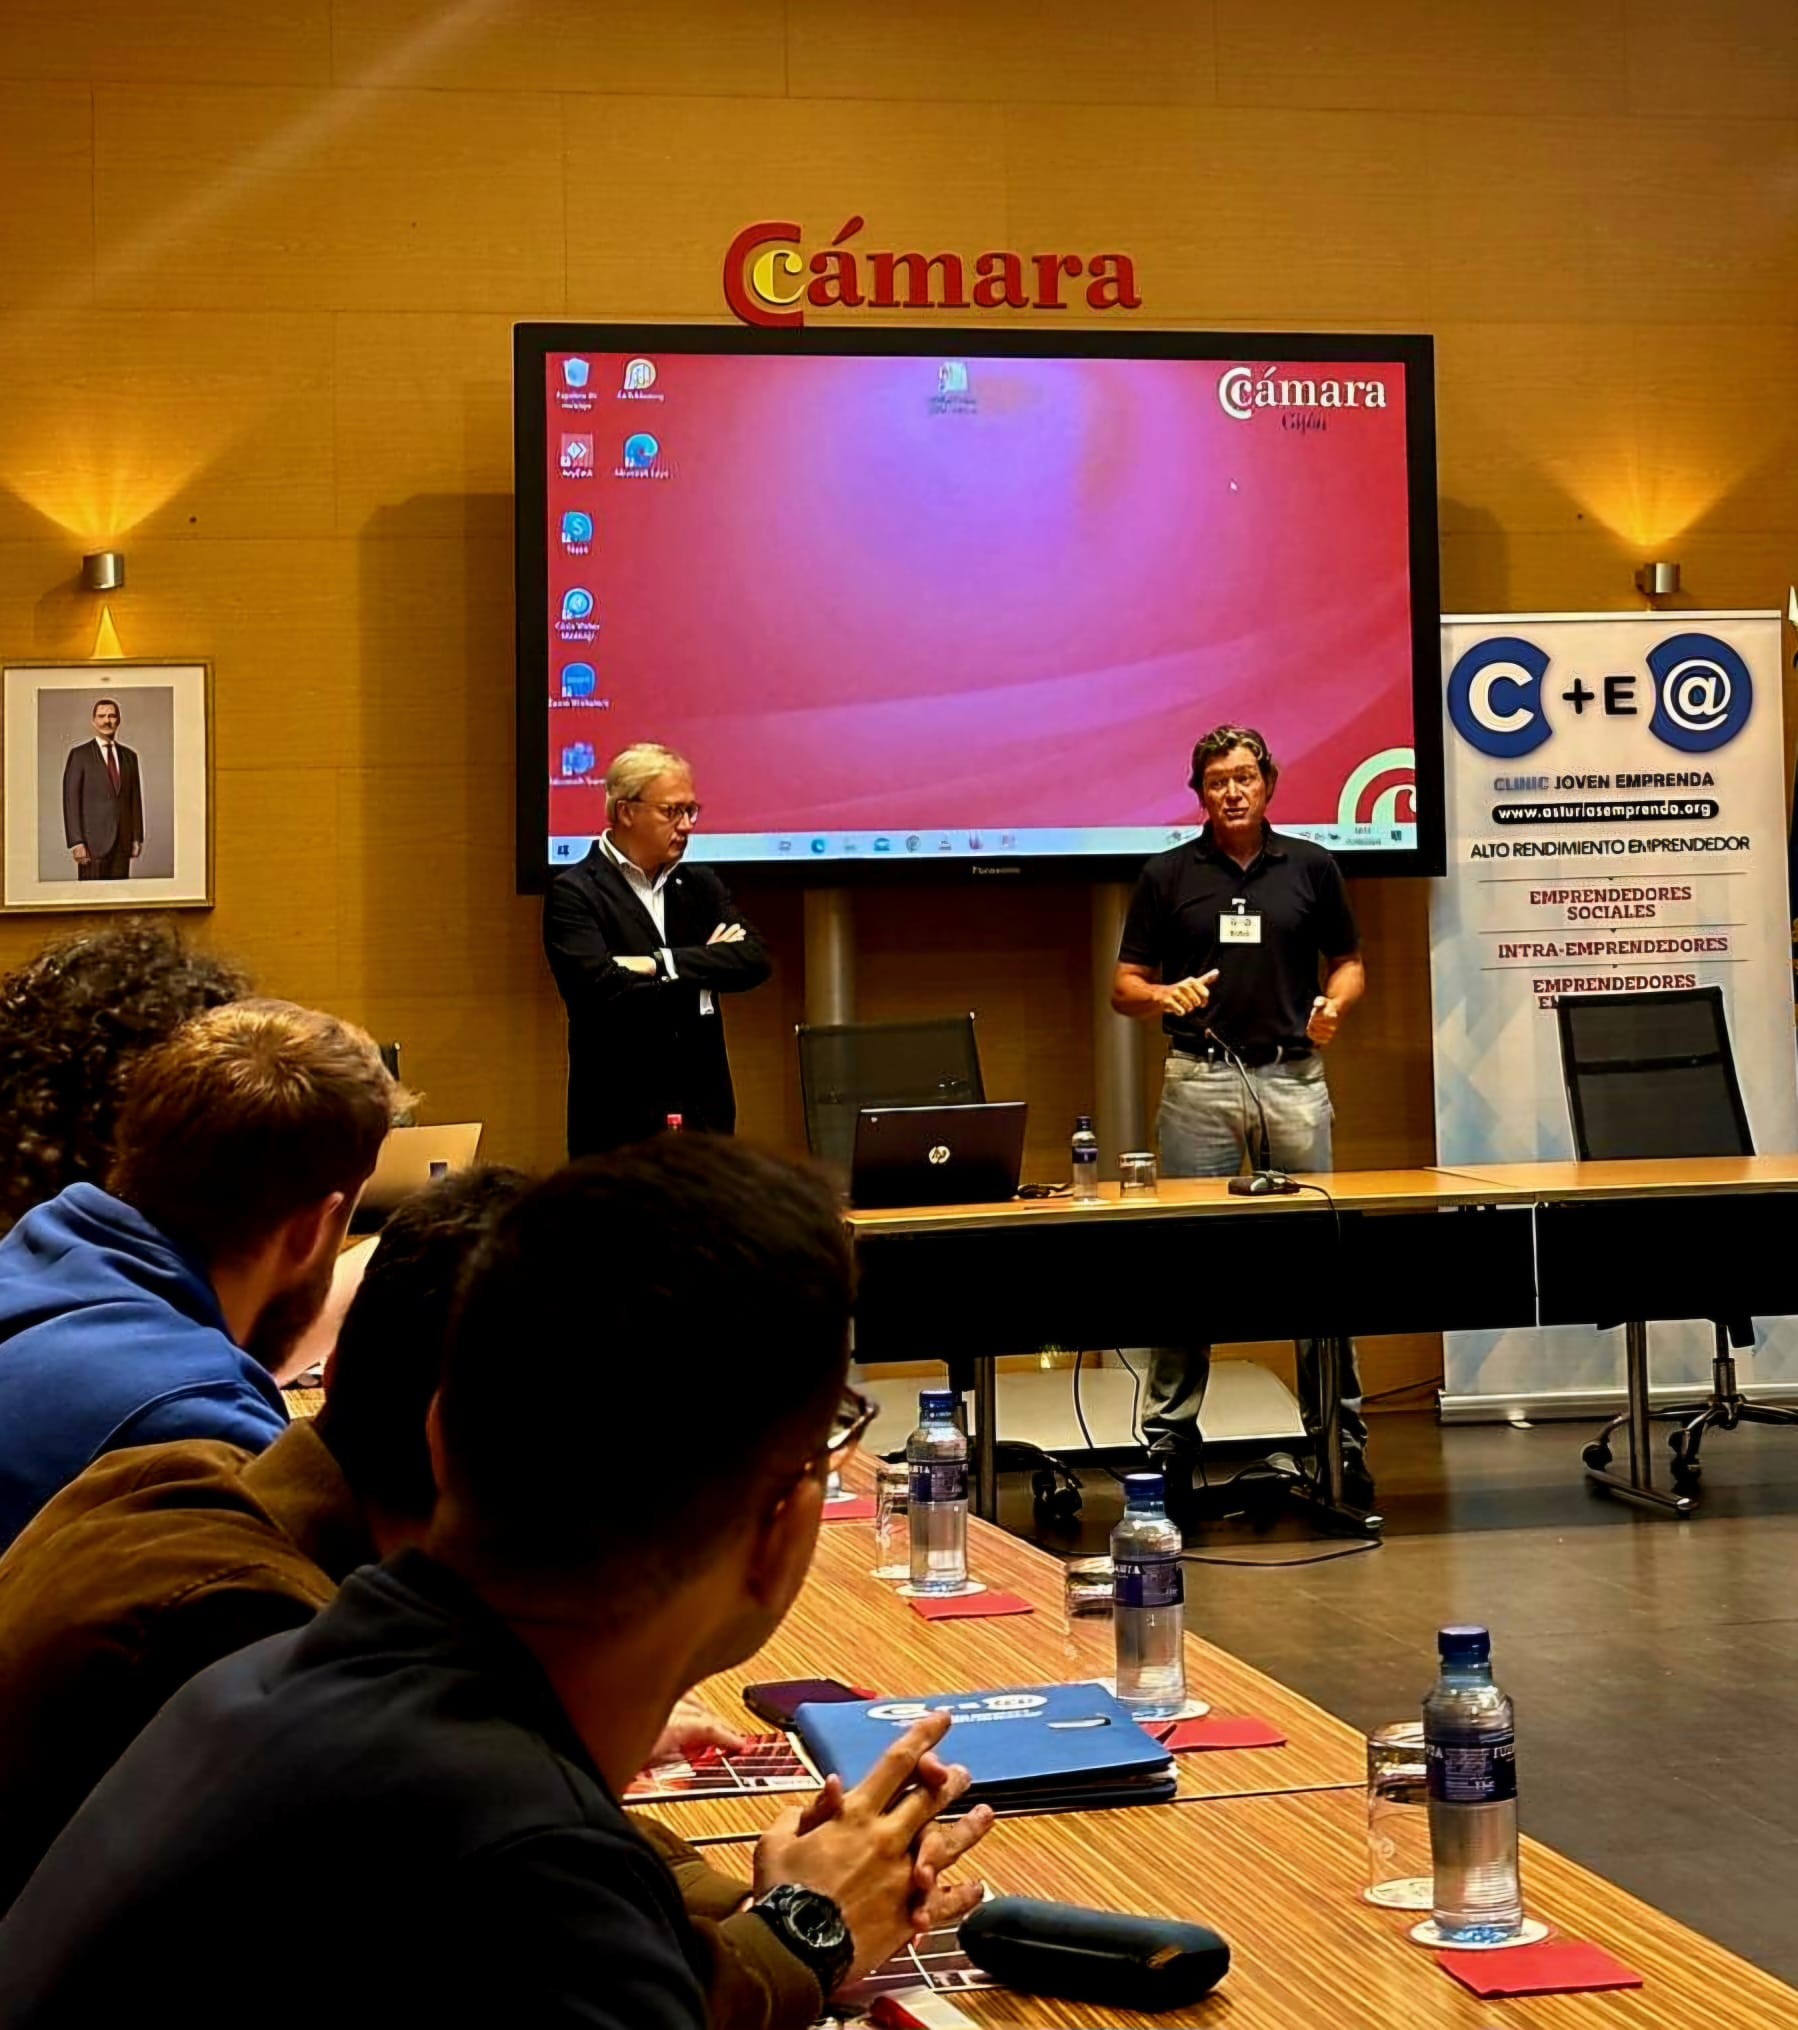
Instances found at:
x=106 y=774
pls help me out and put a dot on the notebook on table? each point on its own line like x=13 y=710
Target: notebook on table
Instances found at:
x=1027 y=1747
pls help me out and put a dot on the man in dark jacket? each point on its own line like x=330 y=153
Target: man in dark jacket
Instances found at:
x=445 y=1744
x=641 y=945
x=161 y=1307
x=103 y=801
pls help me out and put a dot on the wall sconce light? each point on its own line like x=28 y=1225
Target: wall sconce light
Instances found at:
x=103 y=571
x=1658 y=581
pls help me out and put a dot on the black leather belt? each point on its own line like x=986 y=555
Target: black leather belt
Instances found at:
x=1254 y=1055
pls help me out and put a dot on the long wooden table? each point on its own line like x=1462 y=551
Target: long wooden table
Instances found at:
x=1280 y=1878
x=1356 y=1252
x=847 y=1624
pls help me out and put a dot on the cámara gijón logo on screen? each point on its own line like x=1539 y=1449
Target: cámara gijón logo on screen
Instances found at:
x=771 y=278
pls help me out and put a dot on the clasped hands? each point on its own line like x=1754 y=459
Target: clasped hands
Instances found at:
x=878 y=1851
x=722 y=934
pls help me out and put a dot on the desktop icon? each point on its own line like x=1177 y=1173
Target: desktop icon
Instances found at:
x=883 y=845
x=912 y=842
x=575 y=372
x=638 y=375
x=577 y=604
x=577 y=453
x=974 y=841
x=640 y=451
x=579 y=758
x=784 y=845
x=576 y=528
x=952 y=378
x=578 y=680
x=820 y=845
x=563 y=849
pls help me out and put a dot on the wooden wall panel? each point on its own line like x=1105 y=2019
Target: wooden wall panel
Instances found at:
x=679 y=177
x=1137 y=52
x=1539 y=56
x=312 y=223
x=611 y=46
x=215 y=197
x=441 y=451
x=1729 y=60
x=1628 y=221
x=1335 y=234
x=173 y=423
x=46 y=172
x=188 y=42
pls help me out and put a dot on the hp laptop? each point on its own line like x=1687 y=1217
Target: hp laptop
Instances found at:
x=968 y=1155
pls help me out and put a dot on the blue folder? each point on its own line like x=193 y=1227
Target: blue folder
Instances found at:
x=1027 y=1747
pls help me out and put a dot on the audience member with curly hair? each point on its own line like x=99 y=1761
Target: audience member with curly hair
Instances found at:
x=71 y=1020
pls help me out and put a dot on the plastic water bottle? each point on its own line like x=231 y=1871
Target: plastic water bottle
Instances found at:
x=1470 y=1753
x=1085 y=1150
x=1148 y=1601
x=937 y=1500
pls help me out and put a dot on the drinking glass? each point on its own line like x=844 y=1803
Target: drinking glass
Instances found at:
x=1399 y=1874
x=1136 y=1174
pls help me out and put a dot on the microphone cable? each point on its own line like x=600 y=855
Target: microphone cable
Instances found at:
x=1233 y=1058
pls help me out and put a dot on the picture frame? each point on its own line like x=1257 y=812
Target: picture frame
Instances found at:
x=106 y=809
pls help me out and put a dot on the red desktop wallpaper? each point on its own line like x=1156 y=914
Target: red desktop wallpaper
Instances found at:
x=922 y=592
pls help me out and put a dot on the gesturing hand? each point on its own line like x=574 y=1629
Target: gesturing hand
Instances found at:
x=875 y=1851
x=1326 y=1019
x=690 y=1728
x=1182 y=997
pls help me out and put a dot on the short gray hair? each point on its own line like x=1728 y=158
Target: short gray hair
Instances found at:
x=634 y=768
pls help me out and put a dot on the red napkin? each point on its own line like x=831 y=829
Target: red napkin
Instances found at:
x=859 y=1508
x=1216 y=1730
x=1558 y=1966
x=970 y=1606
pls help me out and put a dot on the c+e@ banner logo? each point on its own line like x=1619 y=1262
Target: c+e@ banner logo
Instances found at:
x=1702 y=695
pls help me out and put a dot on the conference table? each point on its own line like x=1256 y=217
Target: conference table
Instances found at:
x=1432 y=1249
x=1267 y=1846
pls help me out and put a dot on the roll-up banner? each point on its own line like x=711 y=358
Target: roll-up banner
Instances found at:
x=1616 y=822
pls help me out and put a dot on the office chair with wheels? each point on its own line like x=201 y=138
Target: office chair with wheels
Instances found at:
x=1653 y=1075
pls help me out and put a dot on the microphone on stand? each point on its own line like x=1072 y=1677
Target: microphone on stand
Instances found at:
x=1265 y=1181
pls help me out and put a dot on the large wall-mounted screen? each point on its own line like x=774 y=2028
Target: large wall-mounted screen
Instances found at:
x=957 y=600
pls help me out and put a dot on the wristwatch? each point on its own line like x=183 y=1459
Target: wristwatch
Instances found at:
x=811 y=1928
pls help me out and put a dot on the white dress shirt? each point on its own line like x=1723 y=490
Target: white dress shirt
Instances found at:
x=650 y=893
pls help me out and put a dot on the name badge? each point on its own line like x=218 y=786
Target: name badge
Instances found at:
x=1239 y=927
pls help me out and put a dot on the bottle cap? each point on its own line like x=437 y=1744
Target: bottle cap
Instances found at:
x=1464 y=1645
x=936 y=1402
x=1082 y=1121
x=1144 y=1490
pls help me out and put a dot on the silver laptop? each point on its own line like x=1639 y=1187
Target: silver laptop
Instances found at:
x=410 y=1159
x=965 y=1155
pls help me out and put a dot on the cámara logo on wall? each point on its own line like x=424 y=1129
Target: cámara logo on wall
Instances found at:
x=771 y=279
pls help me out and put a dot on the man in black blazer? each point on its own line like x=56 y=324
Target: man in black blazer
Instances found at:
x=641 y=946
x=103 y=801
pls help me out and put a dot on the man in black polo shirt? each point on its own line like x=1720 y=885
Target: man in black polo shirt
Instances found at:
x=1224 y=942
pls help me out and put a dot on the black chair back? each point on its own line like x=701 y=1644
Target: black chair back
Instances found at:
x=1651 y=1075
x=845 y=1066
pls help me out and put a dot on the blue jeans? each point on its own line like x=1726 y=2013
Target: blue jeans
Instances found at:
x=1209 y=1126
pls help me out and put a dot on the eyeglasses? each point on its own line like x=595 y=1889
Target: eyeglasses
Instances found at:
x=674 y=813
x=849 y=1421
